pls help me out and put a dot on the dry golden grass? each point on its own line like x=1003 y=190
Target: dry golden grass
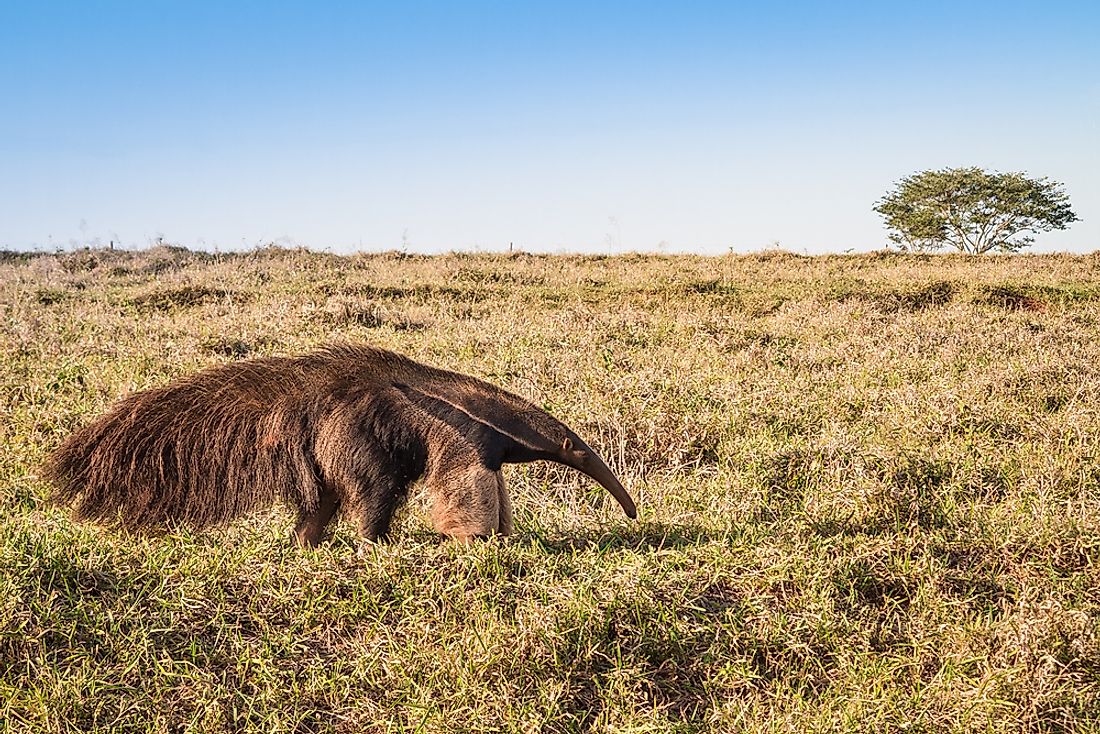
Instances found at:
x=869 y=486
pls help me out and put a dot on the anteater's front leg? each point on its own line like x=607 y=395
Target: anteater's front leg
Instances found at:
x=469 y=500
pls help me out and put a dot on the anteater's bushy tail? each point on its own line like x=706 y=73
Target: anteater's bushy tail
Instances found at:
x=198 y=453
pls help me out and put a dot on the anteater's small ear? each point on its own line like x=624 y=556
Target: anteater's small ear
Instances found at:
x=567 y=445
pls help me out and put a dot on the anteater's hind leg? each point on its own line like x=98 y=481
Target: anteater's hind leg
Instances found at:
x=370 y=489
x=378 y=502
x=311 y=525
x=369 y=480
x=370 y=497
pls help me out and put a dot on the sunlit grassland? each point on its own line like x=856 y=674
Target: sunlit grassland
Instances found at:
x=869 y=491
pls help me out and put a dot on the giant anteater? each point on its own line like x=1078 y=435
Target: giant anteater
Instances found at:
x=347 y=428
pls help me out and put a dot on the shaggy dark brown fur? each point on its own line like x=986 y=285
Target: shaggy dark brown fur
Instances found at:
x=346 y=429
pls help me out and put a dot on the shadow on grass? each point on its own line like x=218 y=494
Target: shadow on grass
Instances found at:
x=642 y=536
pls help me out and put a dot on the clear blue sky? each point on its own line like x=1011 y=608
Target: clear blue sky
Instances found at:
x=556 y=126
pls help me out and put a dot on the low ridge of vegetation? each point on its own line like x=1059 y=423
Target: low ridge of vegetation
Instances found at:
x=869 y=491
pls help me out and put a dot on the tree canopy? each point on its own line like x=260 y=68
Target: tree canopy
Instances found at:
x=972 y=210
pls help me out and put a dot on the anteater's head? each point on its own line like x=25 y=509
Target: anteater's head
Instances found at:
x=576 y=453
x=514 y=431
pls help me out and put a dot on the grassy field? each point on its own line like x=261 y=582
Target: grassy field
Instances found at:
x=869 y=490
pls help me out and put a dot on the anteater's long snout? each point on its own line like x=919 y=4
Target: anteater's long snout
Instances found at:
x=582 y=458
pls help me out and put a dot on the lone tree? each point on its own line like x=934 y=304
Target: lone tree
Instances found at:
x=972 y=210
